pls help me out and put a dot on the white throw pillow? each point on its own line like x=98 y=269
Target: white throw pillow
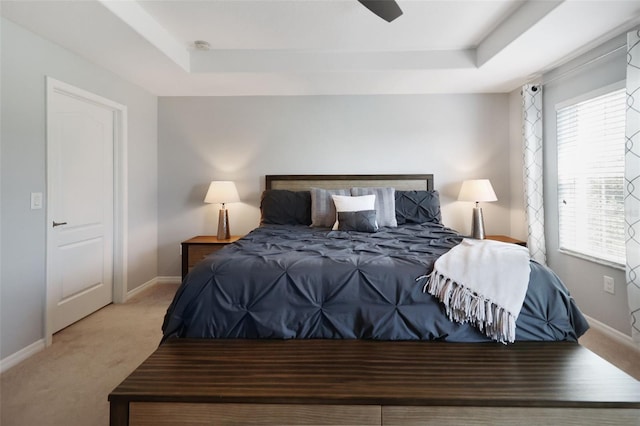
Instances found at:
x=352 y=204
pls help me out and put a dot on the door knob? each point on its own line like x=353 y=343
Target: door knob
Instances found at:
x=58 y=223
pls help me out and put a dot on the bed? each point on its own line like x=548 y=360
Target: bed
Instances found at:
x=295 y=324
x=289 y=280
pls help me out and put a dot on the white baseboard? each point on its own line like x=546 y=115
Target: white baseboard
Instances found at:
x=169 y=280
x=21 y=355
x=141 y=287
x=152 y=282
x=613 y=334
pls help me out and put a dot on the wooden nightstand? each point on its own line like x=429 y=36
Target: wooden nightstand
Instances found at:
x=506 y=239
x=197 y=248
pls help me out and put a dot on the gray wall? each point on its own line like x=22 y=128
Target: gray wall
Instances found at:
x=26 y=60
x=582 y=277
x=455 y=137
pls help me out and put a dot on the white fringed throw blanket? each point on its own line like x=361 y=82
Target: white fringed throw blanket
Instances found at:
x=483 y=282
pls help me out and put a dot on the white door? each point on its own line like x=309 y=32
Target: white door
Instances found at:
x=80 y=208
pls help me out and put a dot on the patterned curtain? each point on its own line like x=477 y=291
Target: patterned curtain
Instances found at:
x=532 y=137
x=632 y=181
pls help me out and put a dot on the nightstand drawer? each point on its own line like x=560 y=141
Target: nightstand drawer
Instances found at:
x=197 y=248
x=199 y=252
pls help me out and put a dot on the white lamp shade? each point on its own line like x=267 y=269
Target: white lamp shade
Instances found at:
x=222 y=192
x=477 y=190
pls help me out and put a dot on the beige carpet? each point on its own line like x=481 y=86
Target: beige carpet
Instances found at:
x=68 y=383
x=622 y=356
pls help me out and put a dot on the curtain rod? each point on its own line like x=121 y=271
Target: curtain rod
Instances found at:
x=579 y=67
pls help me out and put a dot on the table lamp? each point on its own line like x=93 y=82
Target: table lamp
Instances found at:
x=222 y=192
x=477 y=190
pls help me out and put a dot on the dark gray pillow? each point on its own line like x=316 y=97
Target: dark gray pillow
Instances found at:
x=418 y=207
x=361 y=221
x=283 y=207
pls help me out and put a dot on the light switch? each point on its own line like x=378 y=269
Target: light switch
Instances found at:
x=36 y=200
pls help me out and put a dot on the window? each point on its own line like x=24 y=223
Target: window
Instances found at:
x=591 y=137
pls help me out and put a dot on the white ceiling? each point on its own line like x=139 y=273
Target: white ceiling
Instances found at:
x=316 y=47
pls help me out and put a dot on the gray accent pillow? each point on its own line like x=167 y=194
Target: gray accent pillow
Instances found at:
x=323 y=211
x=418 y=207
x=361 y=221
x=385 y=204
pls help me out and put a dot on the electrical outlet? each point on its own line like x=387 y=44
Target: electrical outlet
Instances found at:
x=180 y=249
x=609 y=285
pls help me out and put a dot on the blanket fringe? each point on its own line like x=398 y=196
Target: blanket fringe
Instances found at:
x=463 y=305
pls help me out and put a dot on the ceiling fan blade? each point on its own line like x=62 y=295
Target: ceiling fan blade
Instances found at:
x=386 y=9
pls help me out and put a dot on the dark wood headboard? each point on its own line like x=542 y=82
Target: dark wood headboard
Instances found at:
x=305 y=182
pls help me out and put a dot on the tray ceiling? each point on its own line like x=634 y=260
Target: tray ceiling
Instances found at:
x=325 y=47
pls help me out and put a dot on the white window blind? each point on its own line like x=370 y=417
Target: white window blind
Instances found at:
x=591 y=137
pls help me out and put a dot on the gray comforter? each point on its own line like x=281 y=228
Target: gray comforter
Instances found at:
x=286 y=282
